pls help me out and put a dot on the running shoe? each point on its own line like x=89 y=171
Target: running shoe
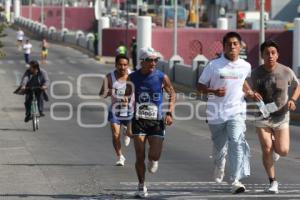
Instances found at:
x=219 y=174
x=273 y=188
x=126 y=137
x=142 y=191
x=276 y=156
x=238 y=187
x=121 y=161
x=152 y=166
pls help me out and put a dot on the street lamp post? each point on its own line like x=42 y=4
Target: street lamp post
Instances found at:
x=99 y=27
x=30 y=9
x=262 y=27
x=163 y=13
x=42 y=12
x=118 y=13
x=197 y=13
x=63 y=15
x=137 y=7
x=175 y=29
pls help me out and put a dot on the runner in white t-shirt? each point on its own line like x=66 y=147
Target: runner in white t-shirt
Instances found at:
x=27 y=50
x=20 y=37
x=224 y=80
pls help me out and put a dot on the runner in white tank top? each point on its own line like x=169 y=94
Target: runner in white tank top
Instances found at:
x=114 y=85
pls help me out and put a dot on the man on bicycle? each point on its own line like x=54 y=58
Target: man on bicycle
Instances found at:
x=38 y=78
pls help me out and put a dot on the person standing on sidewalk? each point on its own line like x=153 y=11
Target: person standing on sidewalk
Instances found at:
x=27 y=51
x=148 y=123
x=20 y=37
x=272 y=81
x=44 y=53
x=114 y=85
x=224 y=81
x=133 y=51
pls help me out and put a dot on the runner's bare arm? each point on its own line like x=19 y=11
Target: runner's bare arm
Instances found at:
x=250 y=93
x=167 y=85
x=292 y=101
x=129 y=89
x=106 y=89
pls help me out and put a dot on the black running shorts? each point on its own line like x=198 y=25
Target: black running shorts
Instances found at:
x=148 y=127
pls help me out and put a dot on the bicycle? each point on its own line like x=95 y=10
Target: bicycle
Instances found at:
x=34 y=110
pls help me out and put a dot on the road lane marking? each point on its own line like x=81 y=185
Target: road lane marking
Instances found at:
x=71 y=78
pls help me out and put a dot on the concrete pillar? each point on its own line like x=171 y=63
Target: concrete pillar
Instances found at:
x=104 y=23
x=222 y=23
x=144 y=33
x=17 y=8
x=296 y=46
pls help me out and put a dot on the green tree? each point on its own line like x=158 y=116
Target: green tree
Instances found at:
x=2 y=27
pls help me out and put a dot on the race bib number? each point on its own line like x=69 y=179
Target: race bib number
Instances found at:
x=120 y=93
x=146 y=111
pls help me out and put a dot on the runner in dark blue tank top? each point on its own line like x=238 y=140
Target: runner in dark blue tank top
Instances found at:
x=149 y=121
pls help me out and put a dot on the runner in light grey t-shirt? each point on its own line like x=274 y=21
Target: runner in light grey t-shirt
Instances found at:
x=273 y=85
x=272 y=81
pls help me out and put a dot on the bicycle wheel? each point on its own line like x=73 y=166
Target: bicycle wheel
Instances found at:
x=34 y=123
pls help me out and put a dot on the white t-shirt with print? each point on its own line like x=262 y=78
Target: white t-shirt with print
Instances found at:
x=27 y=48
x=222 y=72
x=20 y=35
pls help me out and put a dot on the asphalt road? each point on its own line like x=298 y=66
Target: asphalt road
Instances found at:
x=71 y=156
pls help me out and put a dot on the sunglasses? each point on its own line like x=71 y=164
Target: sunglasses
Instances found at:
x=151 y=60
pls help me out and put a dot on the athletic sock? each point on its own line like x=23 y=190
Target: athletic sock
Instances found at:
x=272 y=179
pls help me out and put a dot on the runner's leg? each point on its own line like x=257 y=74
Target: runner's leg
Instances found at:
x=139 y=146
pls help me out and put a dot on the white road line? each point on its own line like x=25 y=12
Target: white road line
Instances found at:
x=61 y=73
x=208 y=183
x=71 y=78
x=72 y=61
x=10 y=62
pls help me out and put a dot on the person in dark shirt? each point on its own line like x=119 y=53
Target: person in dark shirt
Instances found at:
x=34 y=77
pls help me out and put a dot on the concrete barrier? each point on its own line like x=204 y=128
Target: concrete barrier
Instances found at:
x=162 y=65
x=90 y=45
x=184 y=74
x=51 y=32
x=70 y=38
x=90 y=36
x=79 y=34
x=82 y=42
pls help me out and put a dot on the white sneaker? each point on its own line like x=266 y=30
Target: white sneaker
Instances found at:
x=237 y=187
x=219 y=174
x=152 y=166
x=126 y=138
x=273 y=188
x=276 y=156
x=121 y=161
x=142 y=191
